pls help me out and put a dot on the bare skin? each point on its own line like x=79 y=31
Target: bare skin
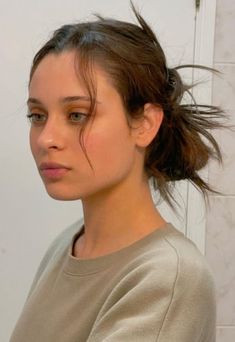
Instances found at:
x=117 y=204
x=117 y=223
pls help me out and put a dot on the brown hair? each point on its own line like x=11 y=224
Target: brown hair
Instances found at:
x=133 y=58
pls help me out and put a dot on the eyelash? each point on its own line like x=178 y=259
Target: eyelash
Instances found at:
x=32 y=116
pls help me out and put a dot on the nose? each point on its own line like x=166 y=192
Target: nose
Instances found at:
x=51 y=136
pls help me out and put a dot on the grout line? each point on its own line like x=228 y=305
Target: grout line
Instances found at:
x=224 y=63
x=223 y=196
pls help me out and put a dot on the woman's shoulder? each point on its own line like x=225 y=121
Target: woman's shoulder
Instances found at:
x=167 y=253
x=187 y=269
x=189 y=258
x=171 y=266
x=181 y=251
x=166 y=278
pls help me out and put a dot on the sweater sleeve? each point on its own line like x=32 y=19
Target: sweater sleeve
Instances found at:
x=171 y=300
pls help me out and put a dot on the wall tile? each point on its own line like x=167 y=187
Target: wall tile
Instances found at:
x=220 y=252
x=225 y=26
x=223 y=178
x=224 y=86
x=225 y=334
x=220 y=234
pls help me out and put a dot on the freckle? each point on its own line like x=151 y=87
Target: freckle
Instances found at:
x=3 y=251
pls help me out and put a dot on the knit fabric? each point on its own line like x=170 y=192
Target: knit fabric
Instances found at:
x=159 y=289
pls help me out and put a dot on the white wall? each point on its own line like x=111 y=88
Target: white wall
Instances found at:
x=220 y=241
x=29 y=219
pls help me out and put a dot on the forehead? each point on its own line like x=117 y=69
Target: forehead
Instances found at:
x=62 y=72
x=58 y=76
x=55 y=70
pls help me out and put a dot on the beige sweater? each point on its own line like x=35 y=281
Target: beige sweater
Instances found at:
x=159 y=289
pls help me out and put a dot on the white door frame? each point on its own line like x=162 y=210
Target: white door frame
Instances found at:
x=204 y=52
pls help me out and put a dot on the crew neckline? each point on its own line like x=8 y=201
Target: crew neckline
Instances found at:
x=80 y=266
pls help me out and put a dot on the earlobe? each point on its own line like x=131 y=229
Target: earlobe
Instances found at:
x=149 y=125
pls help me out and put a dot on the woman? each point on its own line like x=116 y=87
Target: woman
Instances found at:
x=106 y=115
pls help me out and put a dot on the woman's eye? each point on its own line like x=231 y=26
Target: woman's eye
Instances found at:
x=36 y=118
x=78 y=117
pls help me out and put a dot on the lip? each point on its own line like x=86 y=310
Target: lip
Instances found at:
x=53 y=170
x=52 y=165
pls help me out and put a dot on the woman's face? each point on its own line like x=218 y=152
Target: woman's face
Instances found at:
x=58 y=104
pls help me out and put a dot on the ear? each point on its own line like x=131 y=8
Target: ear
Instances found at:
x=148 y=125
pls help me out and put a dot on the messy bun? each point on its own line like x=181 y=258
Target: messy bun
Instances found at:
x=135 y=62
x=184 y=144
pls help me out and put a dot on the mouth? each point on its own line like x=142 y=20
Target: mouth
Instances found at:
x=53 y=170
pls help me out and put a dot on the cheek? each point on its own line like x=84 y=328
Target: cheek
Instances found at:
x=32 y=142
x=110 y=152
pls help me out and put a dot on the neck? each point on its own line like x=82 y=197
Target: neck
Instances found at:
x=116 y=219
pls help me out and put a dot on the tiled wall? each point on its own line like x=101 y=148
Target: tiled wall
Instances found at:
x=220 y=239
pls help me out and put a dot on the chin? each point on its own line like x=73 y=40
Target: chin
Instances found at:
x=63 y=195
x=63 y=198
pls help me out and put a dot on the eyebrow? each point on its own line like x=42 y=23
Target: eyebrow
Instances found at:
x=33 y=100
